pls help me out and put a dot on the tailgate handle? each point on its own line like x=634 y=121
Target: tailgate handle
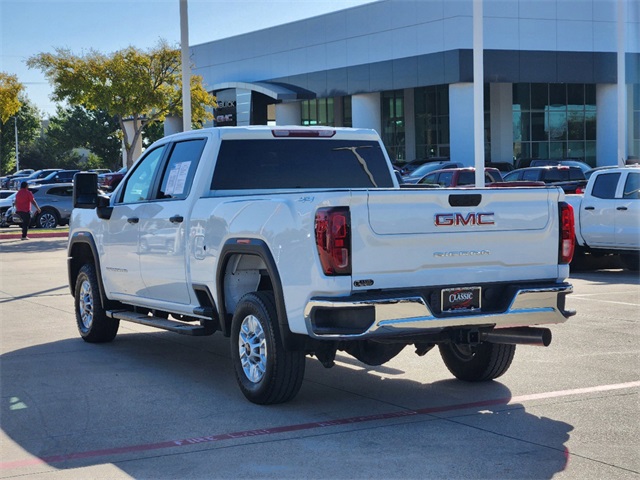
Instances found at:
x=465 y=200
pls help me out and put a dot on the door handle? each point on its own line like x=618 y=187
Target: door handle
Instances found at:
x=176 y=219
x=589 y=208
x=621 y=208
x=133 y=220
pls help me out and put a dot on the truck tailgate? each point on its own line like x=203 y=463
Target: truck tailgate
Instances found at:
x=454 y=236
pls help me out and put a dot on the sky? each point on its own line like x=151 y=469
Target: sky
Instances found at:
x=29 y=27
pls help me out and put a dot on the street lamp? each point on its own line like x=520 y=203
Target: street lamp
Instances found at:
x=17 y=154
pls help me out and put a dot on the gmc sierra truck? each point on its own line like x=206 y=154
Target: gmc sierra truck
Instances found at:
x=607 y=215
x=299 y=241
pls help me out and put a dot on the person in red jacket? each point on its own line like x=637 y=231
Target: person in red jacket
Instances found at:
x=24 y=200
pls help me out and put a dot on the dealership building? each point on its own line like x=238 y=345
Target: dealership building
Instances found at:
x=405 y=68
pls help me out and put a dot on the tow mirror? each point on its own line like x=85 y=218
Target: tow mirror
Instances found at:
x=85 y=190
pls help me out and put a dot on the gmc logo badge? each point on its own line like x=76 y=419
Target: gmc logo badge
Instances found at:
x=456 y=219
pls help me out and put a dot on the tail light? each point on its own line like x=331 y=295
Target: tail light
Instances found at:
x=567 y=233
x=579 y=190
x=333 y=240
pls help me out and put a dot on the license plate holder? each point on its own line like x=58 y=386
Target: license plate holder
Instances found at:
x=461 y=299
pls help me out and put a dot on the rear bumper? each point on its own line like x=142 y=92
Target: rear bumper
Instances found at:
x=356 y=317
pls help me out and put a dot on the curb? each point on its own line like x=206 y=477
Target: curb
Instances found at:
x=17 y=235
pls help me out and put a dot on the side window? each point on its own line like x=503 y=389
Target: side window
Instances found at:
x=467 y=178
x=531 y=175
x=181 y=168
x=444 y=179
x=605 y=185
x=138 y=188
x=632 y=186
x=429 y=179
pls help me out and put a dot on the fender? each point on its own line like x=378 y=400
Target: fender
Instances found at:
x=77 y=239
x=252 y=246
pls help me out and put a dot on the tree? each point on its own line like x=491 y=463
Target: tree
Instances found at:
x=10 y=90
x=29 y=128
x=131 y=85
x=94 y=130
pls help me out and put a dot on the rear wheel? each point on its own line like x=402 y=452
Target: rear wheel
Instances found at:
x=93 y=324
x=47 y=218
x=267 y=373
x=477 y=363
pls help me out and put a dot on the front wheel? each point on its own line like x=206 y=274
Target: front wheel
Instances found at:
x=47 y=219
x=477 y=363
x=93 y=324
x=267 y=373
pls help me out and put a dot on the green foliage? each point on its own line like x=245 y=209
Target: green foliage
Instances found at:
x=94 y=130
x=10 y=90
x=29 y=127
x=143 y=87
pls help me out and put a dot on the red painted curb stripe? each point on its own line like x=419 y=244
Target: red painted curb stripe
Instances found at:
x=16 y=236
x=309 y=426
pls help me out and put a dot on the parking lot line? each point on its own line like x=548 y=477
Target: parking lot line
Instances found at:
x=313 y=425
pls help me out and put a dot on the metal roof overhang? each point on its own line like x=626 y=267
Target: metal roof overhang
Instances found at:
x=277 y=91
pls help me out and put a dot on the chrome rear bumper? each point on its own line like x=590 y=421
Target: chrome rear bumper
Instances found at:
x=406 y=315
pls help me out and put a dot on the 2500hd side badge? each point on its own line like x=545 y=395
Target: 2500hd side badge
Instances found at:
x=461 y=219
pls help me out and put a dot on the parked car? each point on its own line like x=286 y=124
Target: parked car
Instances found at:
x=459 y=177
x=607 y=215
x=99 y=171
x=502 y=166
x=6 y=201
x=5 y=182
x=409 y=167
x=37 y=175
x=415 y=176
x=55 y=202
x=570 y=179
x=61 y=176
x=565 y=161
x=109 y=181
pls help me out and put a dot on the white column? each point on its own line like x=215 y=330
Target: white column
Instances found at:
x=289 y=113
x=501 y=122
x=621 y=90
x=186 y=67
x=607 y=124
x=243 y=107
x=409 y=124
x=478 y=92
x=366 y=111
x=172 y=125
x=461 y=123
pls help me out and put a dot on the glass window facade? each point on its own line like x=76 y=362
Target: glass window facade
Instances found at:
x=554 y=121
x=318 y=111
x=393 y=132
x=635 y=142
x=432 y=121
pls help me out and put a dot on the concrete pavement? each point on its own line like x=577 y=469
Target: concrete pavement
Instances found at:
x=155 y=405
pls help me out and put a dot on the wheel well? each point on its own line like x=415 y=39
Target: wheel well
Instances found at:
x=79 y=254
x=244 y=273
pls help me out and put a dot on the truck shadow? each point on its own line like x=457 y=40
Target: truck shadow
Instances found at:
x=70 y=404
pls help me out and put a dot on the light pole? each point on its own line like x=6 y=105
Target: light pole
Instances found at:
x=17 y=153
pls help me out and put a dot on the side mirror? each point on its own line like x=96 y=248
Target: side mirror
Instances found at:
x=85 y=190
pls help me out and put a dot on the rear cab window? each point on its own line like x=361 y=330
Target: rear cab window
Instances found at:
x=300 y=164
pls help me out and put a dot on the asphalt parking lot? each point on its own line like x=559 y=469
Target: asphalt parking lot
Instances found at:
x=158 y=405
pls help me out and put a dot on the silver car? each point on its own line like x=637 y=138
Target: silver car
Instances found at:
x=55 y=201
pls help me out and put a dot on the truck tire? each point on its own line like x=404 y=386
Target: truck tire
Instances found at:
x=485 y=361
x=267 y=373
x=93 y=324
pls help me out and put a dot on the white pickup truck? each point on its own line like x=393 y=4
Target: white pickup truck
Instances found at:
x=607 y=215
x=299 y=241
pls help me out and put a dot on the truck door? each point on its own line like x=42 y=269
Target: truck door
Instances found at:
x=597 y=212
x=628 y=211
x=120 y=258
x=163 y=226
